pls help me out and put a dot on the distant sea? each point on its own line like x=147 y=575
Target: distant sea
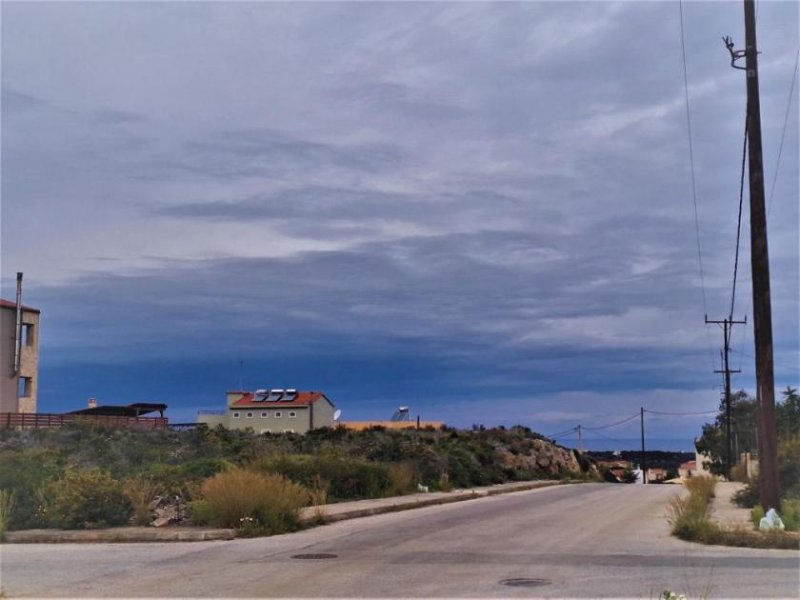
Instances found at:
x=666 y=444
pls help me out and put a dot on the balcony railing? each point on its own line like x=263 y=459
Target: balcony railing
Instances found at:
x=44 y=420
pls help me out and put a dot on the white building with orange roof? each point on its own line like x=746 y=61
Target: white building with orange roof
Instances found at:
x=273 y=411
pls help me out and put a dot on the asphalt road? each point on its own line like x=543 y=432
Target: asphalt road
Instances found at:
x=590 y=540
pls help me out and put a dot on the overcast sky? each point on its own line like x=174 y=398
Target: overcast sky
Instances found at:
x=480 y=210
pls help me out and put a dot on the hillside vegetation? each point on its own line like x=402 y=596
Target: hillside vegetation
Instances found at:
x=83 y=476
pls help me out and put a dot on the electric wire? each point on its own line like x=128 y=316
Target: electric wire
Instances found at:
x=783 y=133
x=618 y=441
x=775 y=173
x=739 y=221
x=777 y=363
x=562 y=433
x=681 y=414
x=622 y=422
x=693 y=177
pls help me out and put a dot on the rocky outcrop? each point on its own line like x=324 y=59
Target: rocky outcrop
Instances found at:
x=544 y=457
x=167 y=510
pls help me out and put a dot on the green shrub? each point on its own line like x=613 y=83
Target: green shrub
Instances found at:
x=85 y=498
x=346 y=478
x=789 y=467
x=443 y=484
x=23 y=473
x=756 y=514
x=790 y=514
x=256 y=502
x=788 y=475
x=199 y=512
x=178 y=479
x=6 y=506
x=747 y=497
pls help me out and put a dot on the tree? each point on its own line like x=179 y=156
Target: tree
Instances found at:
x=788 y=414
x=713 y=441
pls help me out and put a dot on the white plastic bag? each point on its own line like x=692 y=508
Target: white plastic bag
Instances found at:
x=771 y=522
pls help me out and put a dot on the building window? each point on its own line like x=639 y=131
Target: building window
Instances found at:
x=264 y=415
x=292 y=414
x=278 y=415
x=249 y=415
x=236 y=415
x=27 y=334
x=25 y=385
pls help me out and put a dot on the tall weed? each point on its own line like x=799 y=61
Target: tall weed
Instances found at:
x=140 y=492
x=402 y=479
x=689 y=514
x=257 y=502
x=702 y=486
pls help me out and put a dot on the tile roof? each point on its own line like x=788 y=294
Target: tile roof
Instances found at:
x=301 y=399
x=10 y=304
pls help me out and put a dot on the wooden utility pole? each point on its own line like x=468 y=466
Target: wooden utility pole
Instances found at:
x=759 y=260
x=644 y=463
x=726 y=371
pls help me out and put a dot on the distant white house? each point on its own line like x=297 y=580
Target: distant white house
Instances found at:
x=272 y=411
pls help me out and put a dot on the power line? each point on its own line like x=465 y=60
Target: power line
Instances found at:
x=561 y=433
x=783 y=134
x=631 y=418
x=739 y=220
x=785 y=365
x=694 y=184
x=681 y=414
x=618 y=441
x=777 y=167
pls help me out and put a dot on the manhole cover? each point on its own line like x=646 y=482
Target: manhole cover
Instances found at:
x=317 y=556
x=524 y=582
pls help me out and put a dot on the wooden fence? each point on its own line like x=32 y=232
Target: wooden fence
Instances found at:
x=43 y=420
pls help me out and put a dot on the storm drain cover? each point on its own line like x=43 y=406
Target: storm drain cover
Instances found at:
x=524 y=582
x=315 y=556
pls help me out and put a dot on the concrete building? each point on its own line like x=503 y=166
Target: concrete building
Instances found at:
x=656 y=474
x=687 y=469
x=273 y=411
x=18 y=386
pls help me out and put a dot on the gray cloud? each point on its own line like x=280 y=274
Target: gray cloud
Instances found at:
x=486 y=184
x=13 y=100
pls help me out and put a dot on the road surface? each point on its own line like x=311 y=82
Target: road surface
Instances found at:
x=590 y=540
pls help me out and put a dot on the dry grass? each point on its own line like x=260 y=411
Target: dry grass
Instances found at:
x=689 y=514
x=402 y=479
x=318 y=497
x=702 y=486
x=140 y=492
x=256 y=502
